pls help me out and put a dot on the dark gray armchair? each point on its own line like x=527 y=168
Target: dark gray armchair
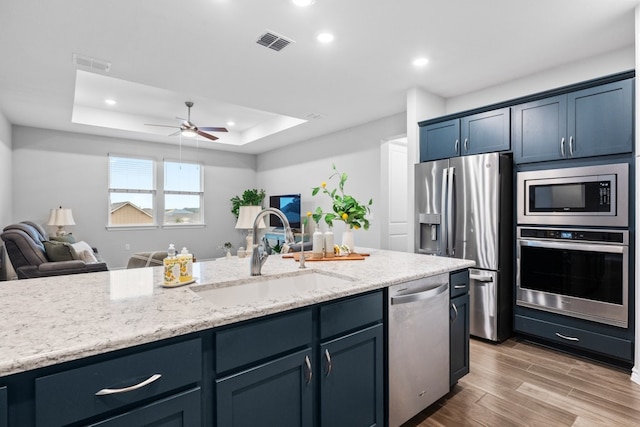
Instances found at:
x=24 y=243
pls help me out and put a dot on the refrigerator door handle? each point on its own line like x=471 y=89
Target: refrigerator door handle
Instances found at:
x=450 y=230
x=444 y=220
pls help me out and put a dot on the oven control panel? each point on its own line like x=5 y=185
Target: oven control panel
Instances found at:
x=606 y=236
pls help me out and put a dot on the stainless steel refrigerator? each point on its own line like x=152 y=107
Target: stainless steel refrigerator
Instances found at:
x=464 y=209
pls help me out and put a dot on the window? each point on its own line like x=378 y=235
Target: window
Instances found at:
x=183 y=193
x=131 y=191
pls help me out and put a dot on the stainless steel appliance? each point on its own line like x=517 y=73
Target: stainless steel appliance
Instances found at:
x=418 y=346
x=579 y=196
x=575 y=272
x=463 y=210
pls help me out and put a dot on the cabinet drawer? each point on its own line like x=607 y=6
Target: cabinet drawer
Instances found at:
x=342 y=316
x=574 y=337
x=459 y=283
x=258 y=340
x=71 y=395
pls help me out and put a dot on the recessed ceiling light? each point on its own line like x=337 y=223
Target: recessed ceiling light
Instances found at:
x=325 y=37
x=231 y=123
x=110 y=101
x=303 y=3
x=420 y=62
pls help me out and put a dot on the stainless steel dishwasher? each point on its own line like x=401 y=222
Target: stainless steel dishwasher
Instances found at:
x=418 y=346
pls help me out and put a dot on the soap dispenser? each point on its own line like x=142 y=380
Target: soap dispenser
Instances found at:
x=171 y=267
x=186 y=266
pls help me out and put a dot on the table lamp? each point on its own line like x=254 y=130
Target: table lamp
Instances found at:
x=61 y=217
x=246 y=217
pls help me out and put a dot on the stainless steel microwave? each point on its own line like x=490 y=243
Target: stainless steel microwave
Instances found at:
x=593 y=196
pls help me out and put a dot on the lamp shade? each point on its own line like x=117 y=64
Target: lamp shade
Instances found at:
x=247 y=215
x=61 y=217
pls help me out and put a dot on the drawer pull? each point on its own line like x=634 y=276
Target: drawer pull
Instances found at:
x=455 y=312
x=108 y=391
x=564 y=337
x=459 y=286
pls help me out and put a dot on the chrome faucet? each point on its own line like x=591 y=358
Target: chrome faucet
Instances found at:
x=257 y=257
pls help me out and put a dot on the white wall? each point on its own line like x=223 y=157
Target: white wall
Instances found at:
x=6 y=192
x=52 y=168
x=356 y=151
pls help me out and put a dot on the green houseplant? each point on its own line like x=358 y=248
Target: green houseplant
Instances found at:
x=252 y=197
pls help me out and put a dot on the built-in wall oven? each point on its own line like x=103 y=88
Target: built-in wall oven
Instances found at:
x=575 y=272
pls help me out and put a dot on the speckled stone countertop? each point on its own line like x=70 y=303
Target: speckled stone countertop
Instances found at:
x=53 y=320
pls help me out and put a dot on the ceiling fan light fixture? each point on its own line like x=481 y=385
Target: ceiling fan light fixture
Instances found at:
x=189 y=133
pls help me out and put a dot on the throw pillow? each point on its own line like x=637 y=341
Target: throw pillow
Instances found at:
x=59 y=251
x=67 y=238
x=84 y=252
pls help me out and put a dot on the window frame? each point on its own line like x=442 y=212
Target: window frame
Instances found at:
x=166 y=192
x=116 y=190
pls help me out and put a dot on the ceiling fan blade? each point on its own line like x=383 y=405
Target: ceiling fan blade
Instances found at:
x=206 y=135
x=164 y=126
x=213 y=129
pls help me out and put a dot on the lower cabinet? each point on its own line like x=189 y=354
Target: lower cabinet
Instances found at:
x=182 y=410
x=4 y=408
x=459 y=326
x=304 y=373
x=276 y=393
x=351 y=380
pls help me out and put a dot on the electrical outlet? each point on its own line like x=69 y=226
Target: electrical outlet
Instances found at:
x=127 y=247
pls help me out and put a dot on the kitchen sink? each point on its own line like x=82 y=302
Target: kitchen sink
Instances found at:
x=271 y=288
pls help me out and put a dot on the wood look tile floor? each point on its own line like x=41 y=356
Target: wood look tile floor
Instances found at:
x=517 y=383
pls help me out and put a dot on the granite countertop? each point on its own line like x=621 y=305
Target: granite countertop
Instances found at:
x=57 y=319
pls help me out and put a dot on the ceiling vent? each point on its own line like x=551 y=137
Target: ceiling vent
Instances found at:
x=92 y=63
x=274 y=41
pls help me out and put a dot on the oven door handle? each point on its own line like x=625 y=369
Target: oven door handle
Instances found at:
x=587 y=247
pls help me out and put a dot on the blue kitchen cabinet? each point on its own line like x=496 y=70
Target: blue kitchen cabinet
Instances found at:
x=4 y=408
x=440 y=140
x=590 y=122
x=484 y=132
x=182 y=410
x=352 y=362
x=275 y=393
x=458 y=326
x=271 y=371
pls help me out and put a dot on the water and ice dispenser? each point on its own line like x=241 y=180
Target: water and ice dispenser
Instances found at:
x=429 y=234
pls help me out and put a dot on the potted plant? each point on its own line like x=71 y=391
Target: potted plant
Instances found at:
x=252 y=197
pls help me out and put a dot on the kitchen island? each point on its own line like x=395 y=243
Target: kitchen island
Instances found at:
x=50 y=324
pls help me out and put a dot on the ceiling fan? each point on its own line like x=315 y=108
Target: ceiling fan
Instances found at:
x=189 y=129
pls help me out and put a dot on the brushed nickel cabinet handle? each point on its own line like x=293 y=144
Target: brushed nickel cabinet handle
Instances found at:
x=466 y=145
x=307 y=362
x=108 y=391
x=562 y=153
x=571 y=146
x=329 y=364
x=455 y=311
x=564 y=337
x=456 y=146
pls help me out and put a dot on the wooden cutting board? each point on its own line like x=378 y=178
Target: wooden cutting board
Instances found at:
x=350 y=257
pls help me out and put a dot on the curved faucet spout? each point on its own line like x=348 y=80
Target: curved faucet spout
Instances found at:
x=257 y=258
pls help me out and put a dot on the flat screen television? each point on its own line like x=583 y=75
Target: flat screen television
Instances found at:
x=289 y=204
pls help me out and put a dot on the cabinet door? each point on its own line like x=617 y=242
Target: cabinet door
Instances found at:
x=182 y=410
x=277 y=393
x=352 y=390
x=4 y=407
x=459 y=338
x=486 y=132
x=440 y=140
x=540 y=130
x=600 y=120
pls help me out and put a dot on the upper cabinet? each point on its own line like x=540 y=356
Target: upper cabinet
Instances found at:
x=589 y=122
x=479 y=133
